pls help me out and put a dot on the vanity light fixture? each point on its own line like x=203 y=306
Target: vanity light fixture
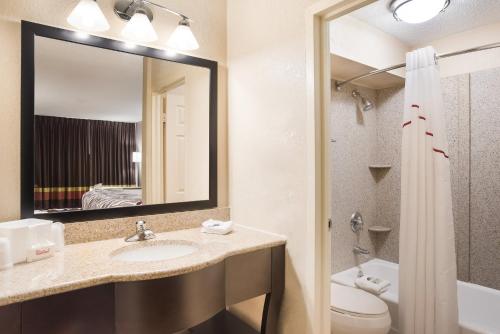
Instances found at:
x=140 y=29
x=88 y=16
x=417 y=11
x=183 y=38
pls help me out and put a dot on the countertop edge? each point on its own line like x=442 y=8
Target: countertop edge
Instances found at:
x=117 y=278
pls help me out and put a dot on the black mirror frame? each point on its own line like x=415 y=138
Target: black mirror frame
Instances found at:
x=28 y=32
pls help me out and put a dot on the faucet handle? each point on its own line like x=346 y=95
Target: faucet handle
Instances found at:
x=356 y=222
x=140 y=226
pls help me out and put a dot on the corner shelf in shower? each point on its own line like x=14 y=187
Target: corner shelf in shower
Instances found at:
x=380 y=166
x=379 y=229
x=379 y=171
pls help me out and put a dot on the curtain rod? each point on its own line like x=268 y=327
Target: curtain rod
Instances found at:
x=339 y=84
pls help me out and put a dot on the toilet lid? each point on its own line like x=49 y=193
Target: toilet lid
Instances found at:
x=353 y=300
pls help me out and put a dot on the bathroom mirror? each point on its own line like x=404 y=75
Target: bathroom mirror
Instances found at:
x=111 y=129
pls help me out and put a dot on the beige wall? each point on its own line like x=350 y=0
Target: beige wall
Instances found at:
x=471 y=62
x=9 y=119
x=267 y=135
x=356 y=40
x=209 y=28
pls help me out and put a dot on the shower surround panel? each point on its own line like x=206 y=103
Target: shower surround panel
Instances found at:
x=473 y=122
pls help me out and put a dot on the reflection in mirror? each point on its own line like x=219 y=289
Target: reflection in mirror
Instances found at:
x=114 y=129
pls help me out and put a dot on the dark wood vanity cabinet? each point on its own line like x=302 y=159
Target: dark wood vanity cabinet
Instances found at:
x=195 y=301
x=87 y=310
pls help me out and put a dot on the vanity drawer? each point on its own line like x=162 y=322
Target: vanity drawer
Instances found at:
x=248 y=275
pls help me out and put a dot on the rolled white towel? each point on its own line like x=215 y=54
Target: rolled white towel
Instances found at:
x=216 y=226
x=372 y=284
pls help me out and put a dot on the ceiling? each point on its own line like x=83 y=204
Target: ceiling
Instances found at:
x=79 y=81
x=460 y=16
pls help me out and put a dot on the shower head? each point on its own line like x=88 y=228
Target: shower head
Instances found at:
x=366 y=104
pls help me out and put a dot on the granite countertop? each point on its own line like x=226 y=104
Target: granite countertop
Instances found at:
x=89 y=264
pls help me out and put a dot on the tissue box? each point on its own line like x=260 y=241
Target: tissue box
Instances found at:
x=30 y=239
x=17 y=233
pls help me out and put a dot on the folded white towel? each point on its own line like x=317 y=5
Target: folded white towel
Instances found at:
x=216 y=226
x=372 y=284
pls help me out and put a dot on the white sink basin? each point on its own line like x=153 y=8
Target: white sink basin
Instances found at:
x=154 y=251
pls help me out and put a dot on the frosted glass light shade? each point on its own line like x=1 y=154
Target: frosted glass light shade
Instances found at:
x=88 y=16
x=183 y=38
x=139 y=29
x=418 y=11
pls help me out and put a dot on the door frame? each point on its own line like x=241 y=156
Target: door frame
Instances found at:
x=318 y=92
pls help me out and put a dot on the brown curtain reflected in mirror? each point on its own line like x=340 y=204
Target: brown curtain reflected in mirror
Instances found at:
x=111 y=147
x=71 y=155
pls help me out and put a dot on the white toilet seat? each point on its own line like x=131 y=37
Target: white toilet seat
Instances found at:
x=356 y=311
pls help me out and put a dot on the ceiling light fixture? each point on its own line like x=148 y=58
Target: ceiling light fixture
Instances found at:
x=140 y=29
x=87 y=16
x=417 y=11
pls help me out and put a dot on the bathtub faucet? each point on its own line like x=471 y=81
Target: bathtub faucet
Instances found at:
x=358 y=250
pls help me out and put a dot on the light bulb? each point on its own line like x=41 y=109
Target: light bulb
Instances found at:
x=418 y=11
x=183 y=38
x=88 y=16
x=139 y=29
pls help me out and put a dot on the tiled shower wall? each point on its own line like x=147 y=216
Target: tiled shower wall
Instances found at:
x=473 y=119
x=352 y=145
x=485 y=178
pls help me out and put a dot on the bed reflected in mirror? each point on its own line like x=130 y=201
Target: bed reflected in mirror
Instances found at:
x=113 y=129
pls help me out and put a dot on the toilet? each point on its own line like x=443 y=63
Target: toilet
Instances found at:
x=354 y=311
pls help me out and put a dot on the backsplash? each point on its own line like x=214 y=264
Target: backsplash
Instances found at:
x=123 y=227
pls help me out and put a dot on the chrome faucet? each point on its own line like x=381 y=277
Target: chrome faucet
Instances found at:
x=142 y=232
x=356 y=222
x=358 y=250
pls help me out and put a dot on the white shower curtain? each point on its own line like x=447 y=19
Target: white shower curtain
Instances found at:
x=427 y=275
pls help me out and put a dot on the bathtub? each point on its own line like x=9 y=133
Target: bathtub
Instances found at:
x=478 y=306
